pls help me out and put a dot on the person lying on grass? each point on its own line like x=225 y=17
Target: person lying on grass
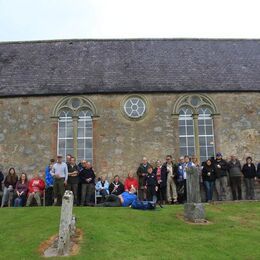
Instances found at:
x=123 y=200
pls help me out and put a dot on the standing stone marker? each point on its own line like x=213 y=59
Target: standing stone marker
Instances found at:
x=193 y=210
x=65 y=223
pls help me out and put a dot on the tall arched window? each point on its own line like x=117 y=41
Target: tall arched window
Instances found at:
x=75 y=127
x=196 y=131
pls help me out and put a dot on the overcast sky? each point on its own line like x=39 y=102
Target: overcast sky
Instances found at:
x=67 y=19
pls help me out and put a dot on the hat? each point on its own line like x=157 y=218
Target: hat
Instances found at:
x=59 y=155
x=218 y=155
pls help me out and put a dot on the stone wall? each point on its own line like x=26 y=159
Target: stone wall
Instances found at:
x=28 y=133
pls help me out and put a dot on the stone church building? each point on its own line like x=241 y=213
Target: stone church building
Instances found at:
x=113 y=101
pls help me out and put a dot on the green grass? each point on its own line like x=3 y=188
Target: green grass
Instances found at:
x=123 y=233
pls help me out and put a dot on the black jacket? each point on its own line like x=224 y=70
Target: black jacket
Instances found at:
x=73 y=179
x=208 y=173
x=1 y=180
x=222 y=171
x=151 y=180
x=249 y=172
x=141 y=169
x=163 y=176
x=164 y=171
x=86 y=174
x=120 y=189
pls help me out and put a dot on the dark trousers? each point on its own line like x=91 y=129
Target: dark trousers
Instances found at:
x=87 y=193
x=49 y=196
x=74 y=188
x=235 y=183
x=209 y=190
x=111 y=201
x=142 y=194
x=182 y=191
x=250 y=189
x=151 y=193
x=58 y=189
x=161 y=193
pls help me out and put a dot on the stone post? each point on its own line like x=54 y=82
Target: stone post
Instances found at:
x=65 y=223
x=217 y=134
x=193 y=209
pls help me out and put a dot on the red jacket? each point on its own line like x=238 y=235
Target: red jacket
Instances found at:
x=129 y=182
x=36 y=185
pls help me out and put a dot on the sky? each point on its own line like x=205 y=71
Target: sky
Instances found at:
x=24 y=20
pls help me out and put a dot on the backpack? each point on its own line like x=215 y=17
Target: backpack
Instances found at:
x=143 y=205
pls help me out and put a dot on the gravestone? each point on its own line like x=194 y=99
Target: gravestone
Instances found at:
x=193 y=210
x=65 y=223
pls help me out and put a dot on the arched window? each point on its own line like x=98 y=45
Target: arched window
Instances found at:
x=75 y=127
x=196 y=131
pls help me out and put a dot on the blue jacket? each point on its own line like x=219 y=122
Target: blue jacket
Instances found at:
x=182 y=171
x=48 y=177
x=99 y=186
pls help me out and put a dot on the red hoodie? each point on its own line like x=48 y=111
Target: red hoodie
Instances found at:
x=129 y=182
x=36 y=185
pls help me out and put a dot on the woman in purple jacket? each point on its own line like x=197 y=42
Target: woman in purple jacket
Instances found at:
x=21 y=190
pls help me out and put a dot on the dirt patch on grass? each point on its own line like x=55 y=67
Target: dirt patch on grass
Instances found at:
x=180 y=216
x=52 y=242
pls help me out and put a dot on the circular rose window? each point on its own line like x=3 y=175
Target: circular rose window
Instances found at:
x=134 y=107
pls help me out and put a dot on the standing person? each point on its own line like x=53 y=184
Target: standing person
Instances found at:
x=21 y=190
x=151 y=184
x=1 y=180
x=183 y=166
x=249 y=172
x=9 y=185
x=116 y=187
x=169 y=170
x=87 y=179
x=36 y=187
x=161 y=177
x=141 y=173
x=68 y=158
x=234 y=168
x=130 y=182
x=258 y=171
x=73 y=178
x=102 y=187
x=221 y=183
x=49 y=183
x=60 y=175
x=208 y=176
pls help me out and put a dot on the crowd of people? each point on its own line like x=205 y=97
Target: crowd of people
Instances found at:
x=162 y=182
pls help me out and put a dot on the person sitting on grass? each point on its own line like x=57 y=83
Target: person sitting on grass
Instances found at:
x=102 y=187
x=123 y=200
x=21 y=190
x=36 y=188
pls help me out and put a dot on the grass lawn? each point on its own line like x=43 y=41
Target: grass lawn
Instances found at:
x=123 y=233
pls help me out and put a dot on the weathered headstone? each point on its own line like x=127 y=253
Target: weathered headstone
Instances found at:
x=65 y=223
x=193 y=210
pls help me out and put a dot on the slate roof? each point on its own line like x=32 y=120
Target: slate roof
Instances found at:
x=124 y=66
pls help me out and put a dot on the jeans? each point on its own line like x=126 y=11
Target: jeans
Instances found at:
x=209 y=190
x=19 y=201
x=8 y=192
x=250 y=188
x=221 y=187
x=87 y=193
